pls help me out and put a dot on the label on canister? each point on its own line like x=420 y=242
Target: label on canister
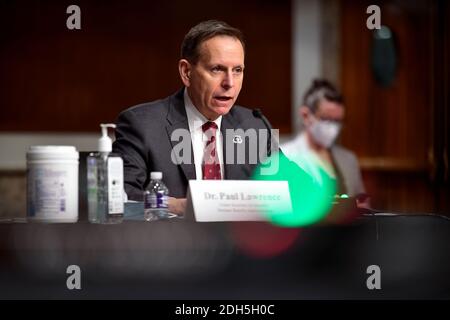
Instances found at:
x=52 y=184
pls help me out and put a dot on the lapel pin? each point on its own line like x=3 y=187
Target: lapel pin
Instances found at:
x=237 y=139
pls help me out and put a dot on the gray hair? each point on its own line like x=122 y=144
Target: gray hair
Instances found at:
x=204 y=31
x=319 y=90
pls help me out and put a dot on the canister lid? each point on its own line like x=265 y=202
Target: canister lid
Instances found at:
x=52 y=152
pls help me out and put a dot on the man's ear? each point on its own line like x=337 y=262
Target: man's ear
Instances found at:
x=184 y=68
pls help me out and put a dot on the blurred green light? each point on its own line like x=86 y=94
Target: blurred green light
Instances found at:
x=311 y=196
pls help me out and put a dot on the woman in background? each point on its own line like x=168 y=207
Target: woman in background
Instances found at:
x=315 y=149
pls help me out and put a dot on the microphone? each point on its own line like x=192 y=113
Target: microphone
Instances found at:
x=258 y=114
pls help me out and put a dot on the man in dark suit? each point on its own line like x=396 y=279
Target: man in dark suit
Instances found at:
x=199 y=132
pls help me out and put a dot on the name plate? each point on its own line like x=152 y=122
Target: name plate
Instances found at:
x=237 y=200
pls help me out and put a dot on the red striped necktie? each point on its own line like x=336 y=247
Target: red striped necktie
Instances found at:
x=210 y=164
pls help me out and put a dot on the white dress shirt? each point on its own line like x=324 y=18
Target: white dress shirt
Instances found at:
x=199 y=138
x=299 y=151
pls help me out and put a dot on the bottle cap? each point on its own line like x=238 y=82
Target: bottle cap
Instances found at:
x=156 y=175
x=105 y=142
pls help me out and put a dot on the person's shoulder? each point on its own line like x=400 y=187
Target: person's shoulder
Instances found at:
x=290 y=147
x=152 y=109
x=245 y=117
x=344 y=153
x=296 y=148
x=240 y=112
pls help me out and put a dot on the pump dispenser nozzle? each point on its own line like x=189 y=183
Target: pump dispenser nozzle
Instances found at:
x=105 y=142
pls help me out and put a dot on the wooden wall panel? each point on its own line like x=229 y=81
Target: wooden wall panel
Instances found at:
x=393 y=121
x=54 y=79
x=393 y=130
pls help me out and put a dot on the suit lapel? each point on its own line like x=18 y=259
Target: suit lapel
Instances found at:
x=231 y=172
x=177 y=119
x=341 y=183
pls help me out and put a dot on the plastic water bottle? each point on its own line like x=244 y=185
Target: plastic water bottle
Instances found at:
x=156 y=198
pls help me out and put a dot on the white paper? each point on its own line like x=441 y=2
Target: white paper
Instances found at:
x=237 y=200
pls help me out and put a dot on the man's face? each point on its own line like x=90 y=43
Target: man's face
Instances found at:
x=215 y=81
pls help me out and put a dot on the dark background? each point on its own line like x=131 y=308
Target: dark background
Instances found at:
x=57 y=80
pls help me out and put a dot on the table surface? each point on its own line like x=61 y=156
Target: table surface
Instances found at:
x=178 y=259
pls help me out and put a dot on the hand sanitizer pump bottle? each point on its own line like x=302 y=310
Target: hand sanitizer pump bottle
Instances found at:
x=105 y=182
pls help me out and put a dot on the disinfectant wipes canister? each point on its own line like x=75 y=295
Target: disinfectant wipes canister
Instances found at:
x=52 y=184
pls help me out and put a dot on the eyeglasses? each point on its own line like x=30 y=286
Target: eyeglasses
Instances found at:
x=320 y=118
